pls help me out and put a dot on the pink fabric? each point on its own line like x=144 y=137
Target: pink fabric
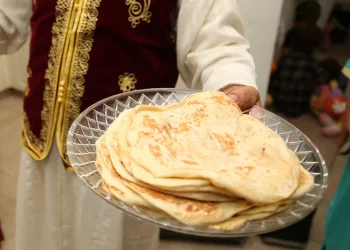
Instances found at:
x=326 y=120
x=1 y=236
x=332 y=130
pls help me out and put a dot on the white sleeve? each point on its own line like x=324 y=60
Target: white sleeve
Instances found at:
x=219 y=55
x=14 y=24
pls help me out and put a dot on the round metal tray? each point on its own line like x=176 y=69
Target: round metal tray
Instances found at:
x=92 y=123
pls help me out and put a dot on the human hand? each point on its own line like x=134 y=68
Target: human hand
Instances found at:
x=245 y=96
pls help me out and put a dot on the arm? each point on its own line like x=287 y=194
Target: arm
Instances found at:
x=14 y=24
x=218 y=53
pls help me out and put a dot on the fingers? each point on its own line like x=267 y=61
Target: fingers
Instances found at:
x=258 y=104
x=245 y=96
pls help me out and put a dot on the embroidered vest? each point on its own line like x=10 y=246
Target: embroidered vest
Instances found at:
x=84 y=51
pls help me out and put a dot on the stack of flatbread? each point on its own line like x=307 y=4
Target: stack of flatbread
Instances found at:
x=201 y=162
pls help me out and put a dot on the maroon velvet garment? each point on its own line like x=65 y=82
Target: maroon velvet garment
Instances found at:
x=82 y=53
x=1 y=235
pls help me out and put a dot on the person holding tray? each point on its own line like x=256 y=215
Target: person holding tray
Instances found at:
x=82 y=51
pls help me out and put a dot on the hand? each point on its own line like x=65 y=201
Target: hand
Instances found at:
x=245 y=96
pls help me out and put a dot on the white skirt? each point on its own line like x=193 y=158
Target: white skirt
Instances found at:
x=56 y=211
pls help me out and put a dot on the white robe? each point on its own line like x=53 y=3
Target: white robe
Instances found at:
x=55 y=211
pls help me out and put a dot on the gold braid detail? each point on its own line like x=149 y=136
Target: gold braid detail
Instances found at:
x=79 y=68
x=40 y=147
x=127 y=82
x=29 y=75
x=139 y=11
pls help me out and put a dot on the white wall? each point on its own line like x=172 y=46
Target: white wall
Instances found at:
x=261 y=20
x=327 y=6
x=286 y=21
x=3 y=83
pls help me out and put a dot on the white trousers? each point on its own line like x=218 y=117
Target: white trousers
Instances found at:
x=56 y=211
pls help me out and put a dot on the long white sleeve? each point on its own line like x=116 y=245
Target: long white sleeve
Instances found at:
x=14 y=24
x=218 y=53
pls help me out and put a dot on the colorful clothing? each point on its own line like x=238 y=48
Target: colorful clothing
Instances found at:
x=293 y=83
x=337 y=234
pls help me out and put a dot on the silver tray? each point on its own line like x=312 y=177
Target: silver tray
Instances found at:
x=92 y=123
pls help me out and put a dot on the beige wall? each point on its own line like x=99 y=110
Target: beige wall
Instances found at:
x=261 y=20
x=327 y=6
x=13 y=69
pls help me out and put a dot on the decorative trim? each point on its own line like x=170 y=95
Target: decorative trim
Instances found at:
x=29 y=75
x=83 y=42
x=139 y=12
x=127 y=82
x=31 y=143
x=40 y=147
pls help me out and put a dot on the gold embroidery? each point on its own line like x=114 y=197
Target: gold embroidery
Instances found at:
x=29 y=72
x=127 y=82
x=29 y=139
x=39 y=147
x=29 y=75
x=82 y=46
x=139 y=11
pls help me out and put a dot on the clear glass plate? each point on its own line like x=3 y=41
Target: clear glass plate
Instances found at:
x=92 y=123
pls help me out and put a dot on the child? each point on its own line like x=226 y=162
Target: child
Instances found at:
x=298 y=73
x=307 y=12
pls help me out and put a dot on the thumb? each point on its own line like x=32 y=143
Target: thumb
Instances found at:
x=234 y=97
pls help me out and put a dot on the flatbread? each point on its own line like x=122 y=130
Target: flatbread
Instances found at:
x=306 y=183
x=240 y=220
x=201 y=162
x=190 y=212
x=187 y=211
x=208 y=137
x=113 y=183
x=202 y=196
x=113 y=161
x=198 y=189
x=121 y=162
x=271 y=208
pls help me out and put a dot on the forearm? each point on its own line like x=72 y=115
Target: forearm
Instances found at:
x=219 y=52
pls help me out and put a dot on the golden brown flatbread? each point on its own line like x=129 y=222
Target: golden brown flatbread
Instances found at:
x=201 y=162
x=207 y=137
